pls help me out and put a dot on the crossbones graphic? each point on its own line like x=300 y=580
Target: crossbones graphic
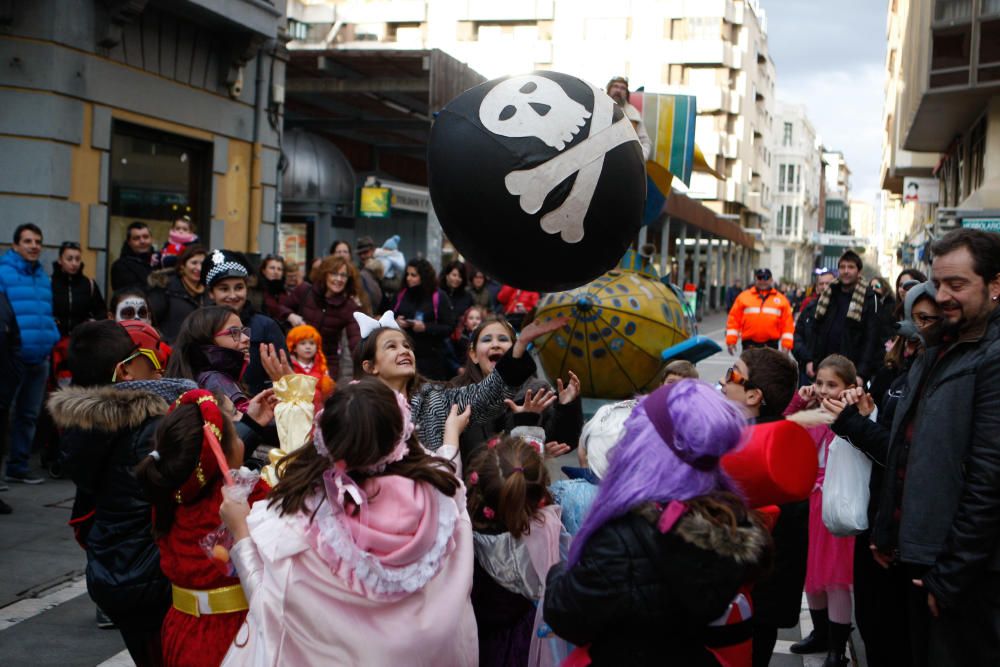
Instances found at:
x=536 y=106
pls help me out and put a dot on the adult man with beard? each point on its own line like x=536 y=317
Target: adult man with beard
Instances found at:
x=618 y=91
x=847 y=320
x=805 y=329
x=939 y=508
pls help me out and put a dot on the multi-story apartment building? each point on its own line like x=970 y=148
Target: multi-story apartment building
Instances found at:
x=116 y=111
x=796 y=162
x=714 y=49
x=901 y=223
x=946 y=103
x=836 y=207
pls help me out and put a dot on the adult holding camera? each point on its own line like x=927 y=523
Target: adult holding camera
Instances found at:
x=426 y=313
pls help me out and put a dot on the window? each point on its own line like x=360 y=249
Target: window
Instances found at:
x=788 y=220
x=781 y=177
x=977 y=154
x=798 y=179
x=787 y=140
x=952 y=10
x=988 y=68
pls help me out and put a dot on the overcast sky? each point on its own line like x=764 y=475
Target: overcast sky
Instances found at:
x=830 y=56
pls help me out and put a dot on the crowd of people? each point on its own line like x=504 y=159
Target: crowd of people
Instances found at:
x=259 y=456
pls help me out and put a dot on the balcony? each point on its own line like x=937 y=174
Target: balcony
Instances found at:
x=509 y=10
x=257 y=16
x=699 y=52
x=950 y=70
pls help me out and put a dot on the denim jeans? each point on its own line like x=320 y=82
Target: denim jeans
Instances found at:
x=26 y=407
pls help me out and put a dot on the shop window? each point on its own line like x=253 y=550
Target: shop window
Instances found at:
x=295 y=240
x=988 y=69
x=156 y=178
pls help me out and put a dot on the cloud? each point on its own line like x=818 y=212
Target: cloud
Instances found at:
x=845 y=107
x=830 y=56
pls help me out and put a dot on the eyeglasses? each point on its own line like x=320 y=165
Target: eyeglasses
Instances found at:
x=130 y=313
x=762 y=274
x=235 y=332
x=734 y=376
x=141 y=352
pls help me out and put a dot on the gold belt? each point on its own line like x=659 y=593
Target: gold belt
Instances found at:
x=215 y=601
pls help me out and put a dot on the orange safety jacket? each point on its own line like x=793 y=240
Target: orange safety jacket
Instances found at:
x=761 y=318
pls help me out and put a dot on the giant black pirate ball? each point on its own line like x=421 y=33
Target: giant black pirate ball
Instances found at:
x=537 y=179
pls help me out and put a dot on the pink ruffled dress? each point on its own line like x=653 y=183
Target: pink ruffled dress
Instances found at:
x=830 y=563
x=318 y=598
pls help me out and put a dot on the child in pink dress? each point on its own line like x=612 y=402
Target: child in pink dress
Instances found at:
x=362 y=555
x=830 y=563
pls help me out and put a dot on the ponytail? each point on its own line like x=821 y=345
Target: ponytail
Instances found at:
x=507 y=486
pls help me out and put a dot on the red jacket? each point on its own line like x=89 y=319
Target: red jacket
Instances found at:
x=509 y=297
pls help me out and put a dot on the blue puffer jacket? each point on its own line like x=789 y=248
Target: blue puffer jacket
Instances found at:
x=29 y=292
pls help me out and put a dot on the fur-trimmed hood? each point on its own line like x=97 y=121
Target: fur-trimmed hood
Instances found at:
x=161 y=277
x=113 y=408
x=746 y=544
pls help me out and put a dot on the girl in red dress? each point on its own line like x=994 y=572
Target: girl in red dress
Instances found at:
x=183 y=478
x=306 y=347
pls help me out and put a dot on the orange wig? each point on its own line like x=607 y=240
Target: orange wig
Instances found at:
x=325 y=385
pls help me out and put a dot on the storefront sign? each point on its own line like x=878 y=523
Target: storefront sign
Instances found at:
x=985 y=224
x=920 y=190
x=374 y=202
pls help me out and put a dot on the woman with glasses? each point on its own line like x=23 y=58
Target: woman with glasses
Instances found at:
x=329 y=304
x=75 y=297
x=213 y=349
x=178 y=291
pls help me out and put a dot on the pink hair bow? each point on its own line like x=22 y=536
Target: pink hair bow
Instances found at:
x=339 y=485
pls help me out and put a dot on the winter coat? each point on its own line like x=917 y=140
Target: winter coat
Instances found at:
x=951 y=490
x=107 y=432
x=640 y=595
x=262 y=330
x=29 y=292
x=10 y=353
x=132 y=270
x=439 y=320
x=509 y=297
x=486 y=296
x=431 y=402
x=171 y=303
x=562 y=423
x=805 y=331
x=461 y=300
x=330 y=315
x=859 y=341
x=75 y=299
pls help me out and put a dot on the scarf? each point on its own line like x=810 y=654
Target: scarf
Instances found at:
x=857 y=300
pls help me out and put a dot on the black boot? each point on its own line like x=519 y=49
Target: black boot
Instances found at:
x=837 y=654
x=818 y=639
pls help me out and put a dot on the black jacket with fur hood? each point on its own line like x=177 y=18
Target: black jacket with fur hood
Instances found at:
x=107 y=431
x=640 y=596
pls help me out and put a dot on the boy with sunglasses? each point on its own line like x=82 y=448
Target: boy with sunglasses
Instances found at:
x=763 y=381
x=107 y=418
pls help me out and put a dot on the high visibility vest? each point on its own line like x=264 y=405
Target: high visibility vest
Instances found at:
x=761 y=318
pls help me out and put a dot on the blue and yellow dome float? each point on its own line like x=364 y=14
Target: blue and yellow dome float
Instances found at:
x=622 y=329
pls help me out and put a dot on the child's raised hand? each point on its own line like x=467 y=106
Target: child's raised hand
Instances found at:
x=807 y=393
x=456 y=423
x=866 y=404
x=555 y=449
x=261 y=408
x=234 y=514
x=533 y=402
x=275 y=363
x=568 y=393
x=834 y=405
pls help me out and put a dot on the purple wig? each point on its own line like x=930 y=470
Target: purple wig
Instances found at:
x=643 y=467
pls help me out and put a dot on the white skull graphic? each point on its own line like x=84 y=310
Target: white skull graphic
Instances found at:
x=533 y=106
